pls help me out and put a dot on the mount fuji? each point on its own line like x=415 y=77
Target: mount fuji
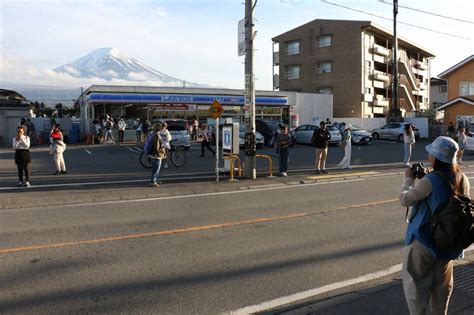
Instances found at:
x=114 y=65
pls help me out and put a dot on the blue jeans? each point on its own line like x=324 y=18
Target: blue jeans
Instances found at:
x=155 y=169
x=283 y=160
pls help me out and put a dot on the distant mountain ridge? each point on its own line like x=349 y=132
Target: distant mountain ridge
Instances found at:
x=113 y=64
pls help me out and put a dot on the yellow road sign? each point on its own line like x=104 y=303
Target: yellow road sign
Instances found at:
x=216 y=109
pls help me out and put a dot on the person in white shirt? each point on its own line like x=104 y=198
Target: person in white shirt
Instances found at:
x=21 y=144
x=206 y=140
x=166 y=138
x=462 y=142
x=122 y=125
x=409 y=142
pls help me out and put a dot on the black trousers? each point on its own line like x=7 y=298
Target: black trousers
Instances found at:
x=205 y=144
x=121 y=134
x=23 y=168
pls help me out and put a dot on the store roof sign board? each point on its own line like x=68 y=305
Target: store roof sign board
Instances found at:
x=139 y=98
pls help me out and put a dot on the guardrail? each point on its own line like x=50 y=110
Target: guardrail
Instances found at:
x=231 y=159
x=270 y=163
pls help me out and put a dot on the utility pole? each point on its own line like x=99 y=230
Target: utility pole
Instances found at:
x=395 y=111
x=249 y=105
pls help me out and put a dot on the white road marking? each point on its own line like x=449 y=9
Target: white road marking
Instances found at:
x=206 y=195
x=313 y=292
x=279 y=302
x=88 y=152
x=134 y=149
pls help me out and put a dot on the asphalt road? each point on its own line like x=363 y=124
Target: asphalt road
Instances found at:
x=202 y=253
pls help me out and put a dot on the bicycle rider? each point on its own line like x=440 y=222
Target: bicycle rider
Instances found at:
x=166 y=138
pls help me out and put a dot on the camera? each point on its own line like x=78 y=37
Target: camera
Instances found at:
x=419 y=170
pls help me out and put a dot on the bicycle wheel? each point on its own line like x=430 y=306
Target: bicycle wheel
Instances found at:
x=145 y=160
x=178 y=157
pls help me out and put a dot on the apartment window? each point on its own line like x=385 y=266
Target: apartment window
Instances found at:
x=325 y=90
x=324 y=67
x=442 y=89
x=323 y=41
x=466 y=88
x=293 y=48
x=292 y=72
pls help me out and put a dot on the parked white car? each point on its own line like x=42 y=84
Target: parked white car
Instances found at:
x=360 y=136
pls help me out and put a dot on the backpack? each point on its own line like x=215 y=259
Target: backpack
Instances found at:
x=452 y=225
x=148 y=144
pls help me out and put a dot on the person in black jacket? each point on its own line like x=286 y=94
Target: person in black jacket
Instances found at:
x=320 y=140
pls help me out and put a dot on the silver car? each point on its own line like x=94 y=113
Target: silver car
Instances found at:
x=304 y=134
x=258 y=137
x=179 y=131
x=393 y=131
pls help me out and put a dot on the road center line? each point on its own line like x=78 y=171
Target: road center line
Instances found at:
x=187 y=229
x=87 y=151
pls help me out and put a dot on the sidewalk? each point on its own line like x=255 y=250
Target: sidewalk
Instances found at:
x=385 y=296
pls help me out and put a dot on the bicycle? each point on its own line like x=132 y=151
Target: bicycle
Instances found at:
x=177 y=157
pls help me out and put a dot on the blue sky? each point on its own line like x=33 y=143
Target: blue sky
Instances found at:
x=196 y=40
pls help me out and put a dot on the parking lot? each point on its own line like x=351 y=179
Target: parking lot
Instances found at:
x=119 y=164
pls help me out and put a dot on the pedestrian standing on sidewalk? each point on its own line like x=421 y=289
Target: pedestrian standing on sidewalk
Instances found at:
x=347 y=146
x=320 y=140
x=57 y=149
x=156 y=154
x=427 y=272
x=206 y=140
x=122 y=125
x=451 y=130
x=408 y=143
x=462 y=142
x=21 y=144
x=138 y=130
x=283 y=143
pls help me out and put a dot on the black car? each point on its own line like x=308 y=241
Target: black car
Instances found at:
x=269 y=129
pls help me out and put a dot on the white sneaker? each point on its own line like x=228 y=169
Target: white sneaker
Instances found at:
x=407 y=164
x=284 y=174
x=27 y=184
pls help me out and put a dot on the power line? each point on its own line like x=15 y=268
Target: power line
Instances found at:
x=430 y=13
x=389 y=19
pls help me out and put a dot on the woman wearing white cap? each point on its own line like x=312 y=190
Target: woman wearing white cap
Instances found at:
x=427 y=271
x=347 y=146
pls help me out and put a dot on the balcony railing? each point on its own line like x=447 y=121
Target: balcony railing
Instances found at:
x=379 y=50
x=276 y=58
x=276 y=81
x=382 y=102
x=380 y=76
x=419 y=64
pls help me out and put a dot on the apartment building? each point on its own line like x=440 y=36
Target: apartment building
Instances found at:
x=352 y=61
x=438 y=92
x=459 y=105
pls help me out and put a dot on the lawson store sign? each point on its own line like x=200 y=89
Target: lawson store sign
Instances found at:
x=110 y=98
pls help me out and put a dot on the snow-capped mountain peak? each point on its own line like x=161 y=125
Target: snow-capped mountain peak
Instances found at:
x=112 y=63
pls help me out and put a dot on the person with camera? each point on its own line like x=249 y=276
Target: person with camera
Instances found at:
x=427 y=272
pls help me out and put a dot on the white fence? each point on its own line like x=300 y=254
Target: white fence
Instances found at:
x=363 y=123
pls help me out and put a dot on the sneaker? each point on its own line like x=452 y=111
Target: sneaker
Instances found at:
x=20 y=184
x=324 y=171
x=284 y=174
x=318 y=172
x=63 y=172
x=407 y=164
x=27 y=184
x=57 y=172
x=154 y=185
